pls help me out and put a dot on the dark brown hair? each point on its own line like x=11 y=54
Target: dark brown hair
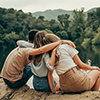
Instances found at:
x=38 y=42
x=31 y=35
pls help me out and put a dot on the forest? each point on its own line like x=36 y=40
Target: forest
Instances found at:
x=81 y=29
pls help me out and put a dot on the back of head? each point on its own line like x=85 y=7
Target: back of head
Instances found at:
x=31 y=35
x=38 y=39
x=50 y=38
x=38 y=42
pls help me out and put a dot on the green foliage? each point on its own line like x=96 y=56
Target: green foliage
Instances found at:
x=16 y=25
x=89 y=33
x=62 y=34
x=48 y=31
x=93 y=19
x=96 y=39
x=86 y=43
x=78 y=24
x=64 y=21
x=10 y=39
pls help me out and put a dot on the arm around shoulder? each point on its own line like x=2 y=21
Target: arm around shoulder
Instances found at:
x=45 y=48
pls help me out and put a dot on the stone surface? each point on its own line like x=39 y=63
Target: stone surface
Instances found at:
x=25 y=93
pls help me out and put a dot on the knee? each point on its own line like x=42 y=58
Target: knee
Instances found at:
x=99 y=74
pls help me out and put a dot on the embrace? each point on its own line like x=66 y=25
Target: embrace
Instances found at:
x=40 y=56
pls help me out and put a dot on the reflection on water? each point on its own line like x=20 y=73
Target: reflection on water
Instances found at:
x=90 y=55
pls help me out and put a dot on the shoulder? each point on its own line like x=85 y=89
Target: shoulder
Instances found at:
x=63 y=46
x=25 y=50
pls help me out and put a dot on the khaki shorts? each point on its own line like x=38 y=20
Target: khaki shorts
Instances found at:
x=74 y=80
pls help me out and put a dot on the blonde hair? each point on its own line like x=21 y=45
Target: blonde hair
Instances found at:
x=50 y=38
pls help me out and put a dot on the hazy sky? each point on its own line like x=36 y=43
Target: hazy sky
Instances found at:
x=42 y=5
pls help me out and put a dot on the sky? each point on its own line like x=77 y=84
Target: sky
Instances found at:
x=42 y=5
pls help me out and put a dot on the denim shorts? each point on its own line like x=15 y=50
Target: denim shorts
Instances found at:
x=42 y=84
x=26 y=75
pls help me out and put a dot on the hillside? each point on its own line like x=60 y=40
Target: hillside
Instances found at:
x=52 y=14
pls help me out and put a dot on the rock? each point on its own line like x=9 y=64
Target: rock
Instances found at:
x=25 y=93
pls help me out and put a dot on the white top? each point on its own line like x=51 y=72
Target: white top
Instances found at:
x=41 y=69
x=25 y=44
x=66 y=53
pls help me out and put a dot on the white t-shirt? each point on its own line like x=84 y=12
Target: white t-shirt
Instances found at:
x=66 y=53
x=41 y=69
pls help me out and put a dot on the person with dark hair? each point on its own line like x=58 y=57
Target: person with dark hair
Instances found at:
x=28 y=43
x=31 y=35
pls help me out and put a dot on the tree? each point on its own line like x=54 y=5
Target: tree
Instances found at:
x=78 y=24
x=64 y=21
x=89 y=33
x=96 y=39
x=10 y=39
x=62 y=34
x=93 y=19
x=41 y=18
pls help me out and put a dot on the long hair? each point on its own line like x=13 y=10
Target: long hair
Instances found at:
x=50 y=38
x=38 y=42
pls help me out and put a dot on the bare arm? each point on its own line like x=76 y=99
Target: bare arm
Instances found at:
x=51 y=81
x=45 y=48
x=50 y=46
x=50 y=76
x=53 y=58
x=83 y=65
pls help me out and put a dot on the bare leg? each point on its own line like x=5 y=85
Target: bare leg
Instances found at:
x=57 y=86
x=96 y=85
x=57 y=79
x=95 y=80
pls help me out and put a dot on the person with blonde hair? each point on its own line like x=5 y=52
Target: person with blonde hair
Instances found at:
x=71 y=79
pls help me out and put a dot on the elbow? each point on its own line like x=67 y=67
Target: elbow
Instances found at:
x=40 y=50
x=17 y=42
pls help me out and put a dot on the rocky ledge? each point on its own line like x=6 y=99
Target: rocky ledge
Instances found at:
x=25 y=93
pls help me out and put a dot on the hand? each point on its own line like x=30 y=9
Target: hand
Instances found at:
x=95 y=68
x=55 y=49
x=69 y=42
x=57 y=92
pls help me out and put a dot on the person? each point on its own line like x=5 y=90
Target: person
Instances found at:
x=15 y=72
x=42 y=67
x=71 y=79
x=28 y=43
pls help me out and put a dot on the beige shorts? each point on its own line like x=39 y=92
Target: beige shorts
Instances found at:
x=74 y=80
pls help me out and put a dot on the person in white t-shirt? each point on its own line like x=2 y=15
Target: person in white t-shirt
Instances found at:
x=71 y=78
